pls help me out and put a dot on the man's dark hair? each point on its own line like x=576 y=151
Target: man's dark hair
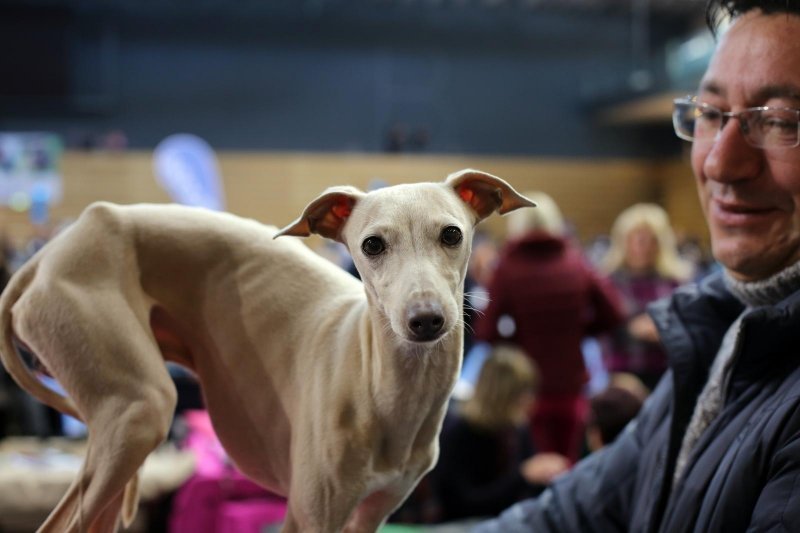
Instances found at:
x=717 y=10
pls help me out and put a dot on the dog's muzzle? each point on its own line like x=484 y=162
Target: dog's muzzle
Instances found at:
x=425 y=321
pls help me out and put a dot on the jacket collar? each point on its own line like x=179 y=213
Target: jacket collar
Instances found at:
x=537 y=242
x=693 y=322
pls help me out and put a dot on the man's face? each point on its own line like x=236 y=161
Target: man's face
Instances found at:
x=751 y=196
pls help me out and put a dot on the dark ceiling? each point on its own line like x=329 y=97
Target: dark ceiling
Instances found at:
x=371 y=8
x=542 y=45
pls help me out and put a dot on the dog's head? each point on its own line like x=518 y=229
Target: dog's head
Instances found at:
x=411 y=243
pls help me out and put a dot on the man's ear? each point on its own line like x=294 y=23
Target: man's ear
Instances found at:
x=485 y=193
x=326 y=215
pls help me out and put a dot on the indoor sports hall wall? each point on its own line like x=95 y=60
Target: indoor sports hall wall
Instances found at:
x=274 y=187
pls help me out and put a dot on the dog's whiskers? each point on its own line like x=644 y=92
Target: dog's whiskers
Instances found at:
x=467 y=326
x=478 y=310
x=478 y=295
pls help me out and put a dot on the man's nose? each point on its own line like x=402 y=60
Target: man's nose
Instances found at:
x=730 y=157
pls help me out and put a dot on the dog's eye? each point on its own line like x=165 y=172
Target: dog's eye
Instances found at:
x=373 y=246
x=451 y=236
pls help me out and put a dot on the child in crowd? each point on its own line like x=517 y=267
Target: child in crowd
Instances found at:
x=487 y=460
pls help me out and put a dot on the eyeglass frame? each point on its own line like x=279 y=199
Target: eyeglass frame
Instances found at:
x=725 y=116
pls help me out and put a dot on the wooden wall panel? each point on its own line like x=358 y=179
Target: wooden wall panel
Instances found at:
x=274 y=187
x=679 y=198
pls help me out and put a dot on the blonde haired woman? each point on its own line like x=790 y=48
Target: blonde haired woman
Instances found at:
x=642 y=240
x=644 y=264
x=487 y=461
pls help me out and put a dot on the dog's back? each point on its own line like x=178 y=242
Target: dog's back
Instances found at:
x=217 y=292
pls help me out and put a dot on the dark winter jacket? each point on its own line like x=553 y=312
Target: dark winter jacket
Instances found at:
x=743 y=475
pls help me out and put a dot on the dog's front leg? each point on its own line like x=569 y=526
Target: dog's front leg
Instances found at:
x=310 y=514
x=318 y=503
x=373 y=511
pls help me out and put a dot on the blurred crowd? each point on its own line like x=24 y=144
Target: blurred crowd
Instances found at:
x=559 y=354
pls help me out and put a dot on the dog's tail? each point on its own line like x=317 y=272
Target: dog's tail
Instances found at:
x=9 y=354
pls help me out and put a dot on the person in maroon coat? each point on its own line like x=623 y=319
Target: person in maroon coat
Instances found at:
x=546 y=298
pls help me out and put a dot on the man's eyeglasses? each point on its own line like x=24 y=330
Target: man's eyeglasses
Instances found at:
x=762 y=127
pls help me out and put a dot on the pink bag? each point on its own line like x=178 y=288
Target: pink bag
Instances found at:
x=249 y=516
x=218 y=498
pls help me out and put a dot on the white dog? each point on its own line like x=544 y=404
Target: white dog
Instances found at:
x=320 y=388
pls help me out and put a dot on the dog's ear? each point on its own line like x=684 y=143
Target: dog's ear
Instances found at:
x=485 y=193
x=326 y=215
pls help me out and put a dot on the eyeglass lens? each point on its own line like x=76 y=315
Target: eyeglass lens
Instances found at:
x=761 y=127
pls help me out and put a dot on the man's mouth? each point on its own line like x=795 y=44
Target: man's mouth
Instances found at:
x=740 y=213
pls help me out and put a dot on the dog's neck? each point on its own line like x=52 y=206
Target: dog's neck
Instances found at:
x=408 y=385
x=407 y=369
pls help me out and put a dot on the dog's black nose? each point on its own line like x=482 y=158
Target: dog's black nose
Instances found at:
x=425 y=321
